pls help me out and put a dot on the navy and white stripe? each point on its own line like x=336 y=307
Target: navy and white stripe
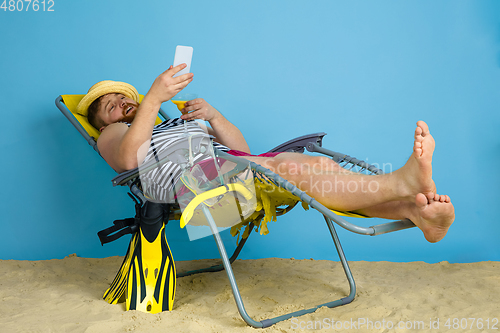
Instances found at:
x=158 y=183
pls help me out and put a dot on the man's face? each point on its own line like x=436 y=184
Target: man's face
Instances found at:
x=114 y=108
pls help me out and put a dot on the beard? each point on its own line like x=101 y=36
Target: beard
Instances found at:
x=129 y=117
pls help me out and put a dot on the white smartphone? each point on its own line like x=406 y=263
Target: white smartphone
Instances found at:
x=183 y=55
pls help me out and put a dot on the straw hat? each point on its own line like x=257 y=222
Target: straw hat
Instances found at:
x=103 y=88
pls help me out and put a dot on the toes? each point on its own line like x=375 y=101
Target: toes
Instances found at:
x=423 y=145
x=417 y=148
x=418 y=132
x=437 y=197
x=423 y=126
x=421 y=200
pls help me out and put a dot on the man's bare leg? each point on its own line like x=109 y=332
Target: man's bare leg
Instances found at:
x=433 y=214
x=408 y=192
x=348 y=192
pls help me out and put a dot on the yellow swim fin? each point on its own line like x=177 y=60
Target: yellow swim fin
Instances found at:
x=147 y=277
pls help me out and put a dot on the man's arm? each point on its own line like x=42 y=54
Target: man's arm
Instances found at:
x=119 y=144
x=224 y=131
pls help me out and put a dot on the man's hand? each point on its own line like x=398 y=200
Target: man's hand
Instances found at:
x=166 y=86
x=224 y=132
x=199 y=109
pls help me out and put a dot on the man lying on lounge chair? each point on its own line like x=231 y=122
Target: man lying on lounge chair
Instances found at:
x=129 y=138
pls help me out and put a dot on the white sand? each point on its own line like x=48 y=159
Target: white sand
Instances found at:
x=65 y=296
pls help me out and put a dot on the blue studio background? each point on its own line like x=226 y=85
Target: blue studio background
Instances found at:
x=362 y=71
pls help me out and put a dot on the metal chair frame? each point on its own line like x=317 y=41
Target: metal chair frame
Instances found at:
x=313 y=143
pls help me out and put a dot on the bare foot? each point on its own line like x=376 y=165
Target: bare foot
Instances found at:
x=417 y=172
x=433 y=216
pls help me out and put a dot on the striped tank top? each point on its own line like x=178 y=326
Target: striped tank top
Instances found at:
x=158 y=184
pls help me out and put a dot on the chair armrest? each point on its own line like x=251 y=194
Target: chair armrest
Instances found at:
x=299 y=144
x=124 y=177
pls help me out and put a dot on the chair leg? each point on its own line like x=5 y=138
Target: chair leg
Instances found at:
x=229 y=270
x=220 y=267
x=343 y=260
x=269 y=322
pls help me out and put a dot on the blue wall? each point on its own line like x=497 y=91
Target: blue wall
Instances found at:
x=362 y=71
